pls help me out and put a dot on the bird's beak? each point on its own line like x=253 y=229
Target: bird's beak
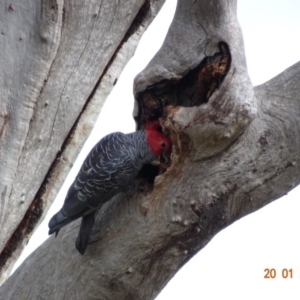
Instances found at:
x=156 y=162
x=166 y=156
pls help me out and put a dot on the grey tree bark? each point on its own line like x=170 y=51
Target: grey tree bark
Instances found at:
x=235 y=149
x=59 y=60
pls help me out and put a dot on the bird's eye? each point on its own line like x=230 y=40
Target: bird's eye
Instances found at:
x=163 y=145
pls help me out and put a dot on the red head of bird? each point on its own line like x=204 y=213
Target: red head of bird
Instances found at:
x=156 y=140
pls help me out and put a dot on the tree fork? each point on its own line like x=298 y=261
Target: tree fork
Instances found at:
x=232 y=154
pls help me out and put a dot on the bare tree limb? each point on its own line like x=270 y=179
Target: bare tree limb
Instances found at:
x=52 y=94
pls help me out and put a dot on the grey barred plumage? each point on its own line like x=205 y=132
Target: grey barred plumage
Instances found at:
x=110 y=168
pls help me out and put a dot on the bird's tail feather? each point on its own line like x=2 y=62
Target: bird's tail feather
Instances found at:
x=85 y=231
x=58 y=221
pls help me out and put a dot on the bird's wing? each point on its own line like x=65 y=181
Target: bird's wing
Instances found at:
x=105 y=172
x=108 y=168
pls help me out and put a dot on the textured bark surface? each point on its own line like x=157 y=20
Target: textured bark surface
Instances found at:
x=59 y=61
x=236 y=149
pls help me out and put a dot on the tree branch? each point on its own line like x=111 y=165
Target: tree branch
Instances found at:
x=235 y=151
x=53 y=93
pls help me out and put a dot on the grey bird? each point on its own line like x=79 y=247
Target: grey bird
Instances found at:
x=110 y=168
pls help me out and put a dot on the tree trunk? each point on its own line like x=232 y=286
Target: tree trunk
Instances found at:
x=59 y=61
x=235 y=149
